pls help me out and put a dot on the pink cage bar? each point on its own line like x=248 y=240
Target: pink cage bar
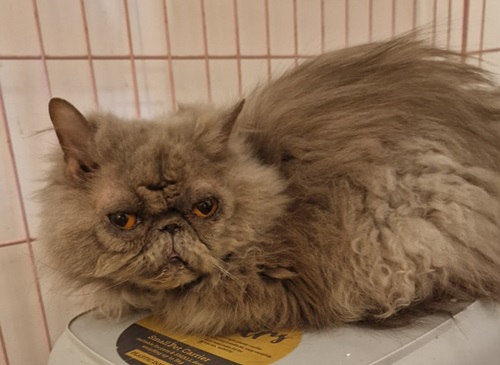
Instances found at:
x=90 y=57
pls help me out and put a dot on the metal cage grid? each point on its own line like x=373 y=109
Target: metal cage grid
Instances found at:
x=132 y=57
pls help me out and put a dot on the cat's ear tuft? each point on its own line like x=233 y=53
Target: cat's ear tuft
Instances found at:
x=74 y=134
x=228 y=124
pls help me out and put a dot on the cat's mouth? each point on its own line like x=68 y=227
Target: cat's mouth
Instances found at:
x=169 y=265
x=174 y=273
x=176 y=261
x=172 y=266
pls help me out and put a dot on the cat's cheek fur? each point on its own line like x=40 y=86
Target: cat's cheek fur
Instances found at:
x=71 y=245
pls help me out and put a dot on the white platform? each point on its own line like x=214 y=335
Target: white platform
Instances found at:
x=471 y=337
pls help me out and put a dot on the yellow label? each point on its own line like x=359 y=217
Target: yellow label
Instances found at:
x=145 y=358
x=147 y=342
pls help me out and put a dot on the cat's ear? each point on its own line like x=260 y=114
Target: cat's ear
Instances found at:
x=75 y=135
x=230 y=119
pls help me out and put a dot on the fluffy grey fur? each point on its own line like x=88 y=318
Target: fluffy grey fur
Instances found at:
x=361 y=183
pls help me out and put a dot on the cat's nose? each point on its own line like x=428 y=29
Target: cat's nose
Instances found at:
x=171 y=228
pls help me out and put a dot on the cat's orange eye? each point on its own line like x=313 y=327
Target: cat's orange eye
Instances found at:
x=206 y=208
x=124 y=220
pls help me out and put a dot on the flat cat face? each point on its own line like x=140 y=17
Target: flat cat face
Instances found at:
x=156 y=204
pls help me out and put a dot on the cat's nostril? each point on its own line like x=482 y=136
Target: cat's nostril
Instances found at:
x=171 y=228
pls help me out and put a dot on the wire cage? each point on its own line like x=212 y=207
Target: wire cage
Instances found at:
x=138 y=59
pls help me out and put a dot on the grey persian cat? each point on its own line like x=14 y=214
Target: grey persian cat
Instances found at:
x=357 y=185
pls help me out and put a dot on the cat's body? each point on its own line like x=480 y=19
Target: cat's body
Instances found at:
x=360 y=183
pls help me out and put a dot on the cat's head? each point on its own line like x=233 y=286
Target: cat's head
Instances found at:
x=154 y=204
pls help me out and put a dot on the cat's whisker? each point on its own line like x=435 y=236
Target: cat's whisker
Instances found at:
x=43 y=265
x=227 y=273
x=161 y=274
x=100 y=290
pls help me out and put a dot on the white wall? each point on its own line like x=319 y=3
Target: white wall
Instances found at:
x=32 y=313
